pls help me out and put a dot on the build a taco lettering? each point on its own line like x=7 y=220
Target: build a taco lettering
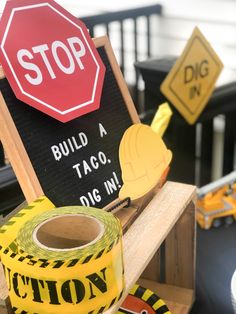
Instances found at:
x=87 y=167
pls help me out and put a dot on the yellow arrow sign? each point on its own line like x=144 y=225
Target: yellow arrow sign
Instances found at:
x=191 y=81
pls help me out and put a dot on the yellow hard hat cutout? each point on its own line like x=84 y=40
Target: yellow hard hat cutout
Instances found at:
x=143 y=159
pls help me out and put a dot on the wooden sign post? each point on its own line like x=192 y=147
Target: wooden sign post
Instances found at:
x=75 y=162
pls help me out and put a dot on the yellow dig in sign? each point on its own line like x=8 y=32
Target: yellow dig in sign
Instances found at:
x=191 y=81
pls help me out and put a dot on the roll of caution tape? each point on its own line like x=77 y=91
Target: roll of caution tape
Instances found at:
x=9 y=231
x=143 y=301
x=66 y=259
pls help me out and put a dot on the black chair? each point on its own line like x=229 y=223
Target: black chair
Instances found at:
x=137 y=25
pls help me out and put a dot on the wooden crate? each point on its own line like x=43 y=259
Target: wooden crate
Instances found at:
x=170 y=219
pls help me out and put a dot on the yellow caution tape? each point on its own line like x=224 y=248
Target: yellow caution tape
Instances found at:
x=67 y=260
x=143 y=300
x=161 y=119
x=8 y=232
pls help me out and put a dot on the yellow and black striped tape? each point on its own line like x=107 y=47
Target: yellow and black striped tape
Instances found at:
x=8 y=232
x=143 y=301
x=47 y=279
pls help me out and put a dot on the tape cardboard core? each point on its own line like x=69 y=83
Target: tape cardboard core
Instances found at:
x=68 y=232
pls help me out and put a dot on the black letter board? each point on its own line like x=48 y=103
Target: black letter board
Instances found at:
x=74 y=161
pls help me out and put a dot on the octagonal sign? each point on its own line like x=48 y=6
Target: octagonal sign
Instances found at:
x=49 y=59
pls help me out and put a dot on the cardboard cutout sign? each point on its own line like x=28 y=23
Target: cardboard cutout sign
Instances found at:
x=76 y=162
x=192 y=79
x=49 y=59
x=141 y=300
x=143 y=159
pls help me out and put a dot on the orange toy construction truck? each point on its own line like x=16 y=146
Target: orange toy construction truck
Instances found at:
x=217 y=202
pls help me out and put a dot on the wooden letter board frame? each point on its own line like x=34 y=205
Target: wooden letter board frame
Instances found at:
x=13 y=143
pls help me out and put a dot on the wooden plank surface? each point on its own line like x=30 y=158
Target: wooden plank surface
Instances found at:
x=3 y=309
x=176 y=308
x=180 y=251
x=3 y=285
x=153 y=271
x=2 y=74
x=150 y=229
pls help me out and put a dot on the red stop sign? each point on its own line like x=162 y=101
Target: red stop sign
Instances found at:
x=49 y=59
